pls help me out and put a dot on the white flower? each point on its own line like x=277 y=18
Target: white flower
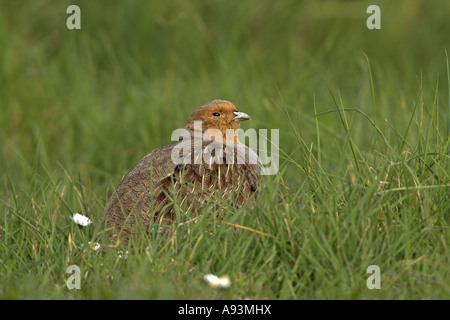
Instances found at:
x=217 y=282
x=81 y=220
x=123 y=255
x=95 y=246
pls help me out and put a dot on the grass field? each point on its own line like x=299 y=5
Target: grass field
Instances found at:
x=363 y=118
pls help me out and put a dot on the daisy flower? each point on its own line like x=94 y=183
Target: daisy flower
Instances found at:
x=81 y=220
x=217 y=282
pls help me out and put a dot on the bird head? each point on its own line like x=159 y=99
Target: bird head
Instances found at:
x=215 y=116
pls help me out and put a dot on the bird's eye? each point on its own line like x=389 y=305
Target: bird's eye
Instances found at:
x=216 y=114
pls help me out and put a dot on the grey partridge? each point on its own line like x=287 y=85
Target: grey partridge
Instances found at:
x=206 y=167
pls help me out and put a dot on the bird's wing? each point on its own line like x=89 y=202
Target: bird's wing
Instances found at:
x=136 y=191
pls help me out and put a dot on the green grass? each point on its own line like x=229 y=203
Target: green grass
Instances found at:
x=364 y=126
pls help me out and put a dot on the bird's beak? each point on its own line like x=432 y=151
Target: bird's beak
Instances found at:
x=240 y=116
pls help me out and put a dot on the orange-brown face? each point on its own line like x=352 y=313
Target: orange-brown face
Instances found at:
x=217 y=115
